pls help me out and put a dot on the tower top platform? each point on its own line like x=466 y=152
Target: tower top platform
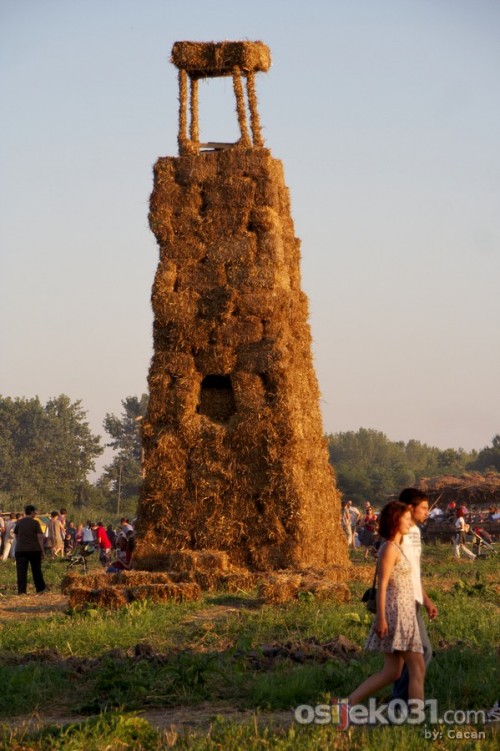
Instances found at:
x=213 y=59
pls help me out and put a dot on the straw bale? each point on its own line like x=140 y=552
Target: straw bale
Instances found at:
x=105 y=597
x=323 y=589
x=139 y=578
x=202 y=276
x=237 y=249
x=250 y=391
x=286 y=586
x=203 y=560
x=175 y=307
x=70 y=580
x=218 y=360
x=279 y=589
x=220 y=58
x=94 y=581
x=185 y=168
x=165 y=592
x=149 y=560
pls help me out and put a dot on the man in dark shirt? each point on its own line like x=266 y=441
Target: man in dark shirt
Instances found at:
x=29 y=551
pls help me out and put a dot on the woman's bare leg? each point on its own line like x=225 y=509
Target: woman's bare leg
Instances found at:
x=393 y=665
x=416 y=672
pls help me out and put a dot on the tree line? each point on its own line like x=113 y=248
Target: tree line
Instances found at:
x=48 y=450
x=369 y=466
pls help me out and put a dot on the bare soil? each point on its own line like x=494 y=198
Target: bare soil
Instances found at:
x=172 y=719
x=22 y=607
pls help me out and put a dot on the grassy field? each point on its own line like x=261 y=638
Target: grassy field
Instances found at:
x=227 y=671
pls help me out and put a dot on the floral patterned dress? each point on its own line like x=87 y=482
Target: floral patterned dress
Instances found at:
x=400 y=612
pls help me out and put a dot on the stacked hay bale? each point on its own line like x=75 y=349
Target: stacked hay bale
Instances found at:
x=111 y=595
x=172 y=574
x=235 y=458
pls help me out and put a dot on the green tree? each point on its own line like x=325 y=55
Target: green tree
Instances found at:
x=370 y=467
x=46 y=451
x=123 y=476
x=488 y=458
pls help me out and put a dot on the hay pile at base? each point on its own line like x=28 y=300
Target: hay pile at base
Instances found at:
x=235 y=455
x=470 y=488
x=282 y=587
x=208 y=570
x=117 y=590
x=118 y=595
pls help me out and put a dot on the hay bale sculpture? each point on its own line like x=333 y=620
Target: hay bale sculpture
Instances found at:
x=237 y=481
x=235 y=458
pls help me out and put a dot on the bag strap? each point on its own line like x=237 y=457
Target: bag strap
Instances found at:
x=375 y=575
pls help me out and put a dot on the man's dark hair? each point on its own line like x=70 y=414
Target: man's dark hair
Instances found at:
x=29 y=509
x=412 y=497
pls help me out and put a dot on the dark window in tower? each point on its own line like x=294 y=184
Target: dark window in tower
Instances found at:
x=216 y=398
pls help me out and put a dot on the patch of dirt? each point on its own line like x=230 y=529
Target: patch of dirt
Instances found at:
x=175 y=720
x=23 y=607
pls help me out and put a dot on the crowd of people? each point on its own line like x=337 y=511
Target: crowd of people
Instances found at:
x=23 y=539
x=362 y=528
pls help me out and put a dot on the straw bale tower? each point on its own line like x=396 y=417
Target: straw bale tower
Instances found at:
x=235 y=457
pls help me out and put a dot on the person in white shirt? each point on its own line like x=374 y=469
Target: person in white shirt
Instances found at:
x=418 y=504
x=355 y=516
x=8 y=547
x=87 y=534
x=459 y=545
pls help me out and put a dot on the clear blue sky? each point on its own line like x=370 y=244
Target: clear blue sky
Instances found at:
x=386 y=115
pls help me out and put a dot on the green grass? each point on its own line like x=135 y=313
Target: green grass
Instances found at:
x=88 y=663
x=120 y=732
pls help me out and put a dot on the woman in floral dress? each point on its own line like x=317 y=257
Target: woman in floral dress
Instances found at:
x=395 y=629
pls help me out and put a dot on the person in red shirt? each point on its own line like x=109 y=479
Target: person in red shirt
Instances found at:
x=368 y=527
x=103 y=543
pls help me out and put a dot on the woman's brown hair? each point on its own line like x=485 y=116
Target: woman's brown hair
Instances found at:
x=388 y=523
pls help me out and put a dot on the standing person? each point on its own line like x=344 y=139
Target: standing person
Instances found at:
x=13 y=547
x=2 y=533
x=78 y=535
x=126 y=525
x=355 y=515
x=367 y=530
x=29 y=551
x=8 y=547
x=56 y=535
x=63 y=518
x=345 y=521
x=418 y=503
x=111 y=535
x=87 y=534
x=71 y=531
x=459 y=545
x=103 y=542
x=395 y=629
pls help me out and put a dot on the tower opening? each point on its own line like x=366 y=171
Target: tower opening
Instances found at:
x=216 y=398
